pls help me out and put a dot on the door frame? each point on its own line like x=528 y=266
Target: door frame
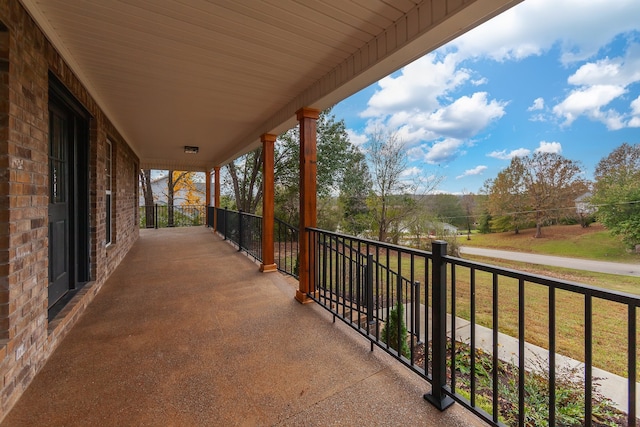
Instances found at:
x=78 y=173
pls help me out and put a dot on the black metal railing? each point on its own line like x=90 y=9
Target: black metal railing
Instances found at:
x=467 y=327
x=242 y=229
x=285 y=238
x=245 y=231
x=161 y=216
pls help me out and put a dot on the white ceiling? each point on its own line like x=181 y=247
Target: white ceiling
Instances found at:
x=219 y=73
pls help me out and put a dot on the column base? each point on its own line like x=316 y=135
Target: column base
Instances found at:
x=303 y=298
x=268 y=268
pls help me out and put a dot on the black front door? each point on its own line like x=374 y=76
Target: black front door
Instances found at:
x=69 y=235
x=60 y=142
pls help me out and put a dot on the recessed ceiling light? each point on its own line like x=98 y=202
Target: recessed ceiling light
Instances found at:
x=189 y=149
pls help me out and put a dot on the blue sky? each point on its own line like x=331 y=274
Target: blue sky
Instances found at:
x=547 y=75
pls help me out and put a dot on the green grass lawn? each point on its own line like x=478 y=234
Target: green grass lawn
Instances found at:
x=609 y=319
x=593 y=242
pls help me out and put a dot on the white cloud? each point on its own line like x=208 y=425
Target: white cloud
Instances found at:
x=416 y=104
x=538 y=104
x=411 y=172
x=533 y=27
x=635 y=113
x=589 y=101
x=443 y=151
x=615 y=72
x=503 y=155
x=549 y=147
x=417 y=87
x=465 y=117
x=422 y=101
x=478 y=170
x=598 y=84
x=356 y=139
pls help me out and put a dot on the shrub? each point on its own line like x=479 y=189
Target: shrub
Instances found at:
x=390 y=331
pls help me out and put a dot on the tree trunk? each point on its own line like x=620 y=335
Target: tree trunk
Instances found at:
x=170 y=196
x=147 y=191
x=538 y=230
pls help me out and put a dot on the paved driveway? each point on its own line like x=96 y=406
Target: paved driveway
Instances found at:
x=556 y=261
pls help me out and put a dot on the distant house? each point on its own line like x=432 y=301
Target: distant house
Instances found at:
x=584 y=206
x=441 y=229
x=160 y=188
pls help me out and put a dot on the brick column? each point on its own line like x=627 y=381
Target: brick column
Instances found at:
x=268 y=263
x=216 y=195
x=307 y=118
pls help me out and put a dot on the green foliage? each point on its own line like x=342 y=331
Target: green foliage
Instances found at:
x=447 y=207
x=484 y=225
x=335 y=155
x=226 y=201
x=354 y=190
x=535 y=188
x=617 y=193
x=570 y=394
x=390 y=331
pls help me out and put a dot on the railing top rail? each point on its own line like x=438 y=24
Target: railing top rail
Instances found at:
x=164 y=204
x=364 y=256
x=238 y=212
x=611 y=295
x=286 y=224
x=399 y=248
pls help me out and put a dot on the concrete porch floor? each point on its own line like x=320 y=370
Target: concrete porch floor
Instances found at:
x=188 y=332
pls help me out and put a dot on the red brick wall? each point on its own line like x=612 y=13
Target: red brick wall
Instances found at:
x=27 y=338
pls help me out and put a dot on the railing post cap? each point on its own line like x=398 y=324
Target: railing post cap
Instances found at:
x=439 y=246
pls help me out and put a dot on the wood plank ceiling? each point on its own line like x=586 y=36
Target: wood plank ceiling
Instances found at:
x=219 y=73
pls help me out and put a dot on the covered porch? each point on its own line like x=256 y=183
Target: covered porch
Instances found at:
x=221 y=345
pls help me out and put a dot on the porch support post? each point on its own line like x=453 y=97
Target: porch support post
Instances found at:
x=207 y=190
x=216 y=196
x=268 y=263
x=307 y=117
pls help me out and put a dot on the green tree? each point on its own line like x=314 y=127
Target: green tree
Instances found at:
x=507 y=202
x=447 y=207
x=354 y=191
x=245 y=178
x=394 y=199
x=334 y=153
x=390 y=331
x=484 y=224
x=617 y=192
x=537 y=186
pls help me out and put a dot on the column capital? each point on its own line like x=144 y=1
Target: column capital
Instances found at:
x=308 y=113
x=268 y=137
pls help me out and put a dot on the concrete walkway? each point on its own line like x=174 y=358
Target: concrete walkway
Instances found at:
x=618 y=268
x=188 y=332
